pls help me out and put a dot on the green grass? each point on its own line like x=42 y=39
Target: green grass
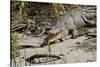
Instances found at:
x=14 y=47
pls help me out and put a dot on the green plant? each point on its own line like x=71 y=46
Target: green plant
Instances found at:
x=22 y=5
x=14 y=47
x=58 y=7
x=49 y=50
x=49 y=47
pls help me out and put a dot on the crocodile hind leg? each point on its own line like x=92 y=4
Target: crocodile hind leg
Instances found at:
x=71 y=32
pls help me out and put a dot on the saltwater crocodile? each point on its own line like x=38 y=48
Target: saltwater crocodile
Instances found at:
x=73 y=23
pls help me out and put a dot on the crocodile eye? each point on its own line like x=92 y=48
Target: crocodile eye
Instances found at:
x=61 y=30
x=47 y=29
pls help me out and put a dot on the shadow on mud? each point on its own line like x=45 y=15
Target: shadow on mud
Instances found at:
x=27 y=46
x=42 y=58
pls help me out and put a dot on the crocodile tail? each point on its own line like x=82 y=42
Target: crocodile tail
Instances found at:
x=89 y=22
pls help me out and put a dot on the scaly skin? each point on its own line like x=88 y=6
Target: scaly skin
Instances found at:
x=70 y=24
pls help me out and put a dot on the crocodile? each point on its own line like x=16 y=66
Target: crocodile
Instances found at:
x=73 y=23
